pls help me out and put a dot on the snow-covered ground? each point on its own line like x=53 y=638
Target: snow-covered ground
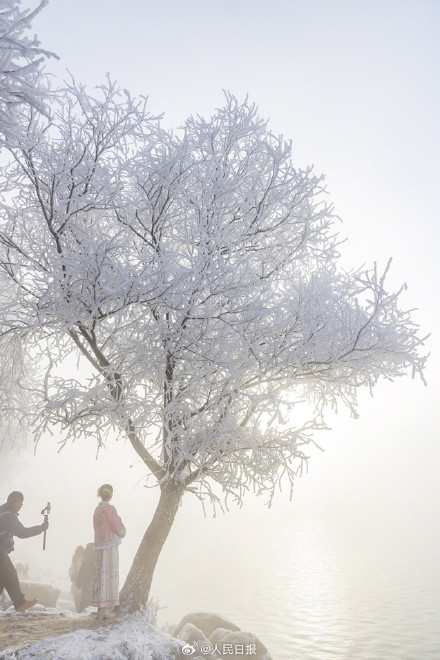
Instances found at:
x=45 y=633
x=134 y=637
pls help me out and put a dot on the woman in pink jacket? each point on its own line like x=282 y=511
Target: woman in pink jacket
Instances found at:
x=108 y=533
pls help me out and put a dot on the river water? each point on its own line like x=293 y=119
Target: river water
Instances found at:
x=312 y=591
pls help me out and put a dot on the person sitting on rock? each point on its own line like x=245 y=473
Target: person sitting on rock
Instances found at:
x=10 y=526
x=22 y=571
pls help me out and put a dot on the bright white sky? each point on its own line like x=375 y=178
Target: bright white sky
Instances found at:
x=354 y=84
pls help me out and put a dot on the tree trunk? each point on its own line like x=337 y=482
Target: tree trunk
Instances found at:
x=134 y=594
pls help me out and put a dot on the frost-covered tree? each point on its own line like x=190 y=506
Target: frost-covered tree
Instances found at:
x=20 y=65
x=195 y=279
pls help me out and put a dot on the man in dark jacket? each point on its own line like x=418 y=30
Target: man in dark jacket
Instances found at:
x=10 y=526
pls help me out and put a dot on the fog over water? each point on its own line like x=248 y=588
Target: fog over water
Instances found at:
x=349 y=568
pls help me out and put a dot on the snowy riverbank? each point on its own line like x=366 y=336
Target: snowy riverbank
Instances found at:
x=44 y=633
x=133 y=637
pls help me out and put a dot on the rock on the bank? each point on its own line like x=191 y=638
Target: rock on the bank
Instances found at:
x=205 y=622
x=216 y=631
x=46 y=594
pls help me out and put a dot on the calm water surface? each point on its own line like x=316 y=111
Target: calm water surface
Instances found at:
x=312 y=593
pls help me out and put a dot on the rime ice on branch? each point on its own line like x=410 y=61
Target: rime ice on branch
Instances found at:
x=21 y=59
x=195 y=277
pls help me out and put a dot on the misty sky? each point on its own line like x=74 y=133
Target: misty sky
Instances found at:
x=354 y=84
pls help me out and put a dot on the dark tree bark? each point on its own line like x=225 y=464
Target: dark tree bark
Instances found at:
x=136 y=589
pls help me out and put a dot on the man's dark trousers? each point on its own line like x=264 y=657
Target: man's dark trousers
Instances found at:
x=9 y=580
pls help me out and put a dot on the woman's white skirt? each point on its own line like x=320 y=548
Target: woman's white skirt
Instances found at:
x=106 y=578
